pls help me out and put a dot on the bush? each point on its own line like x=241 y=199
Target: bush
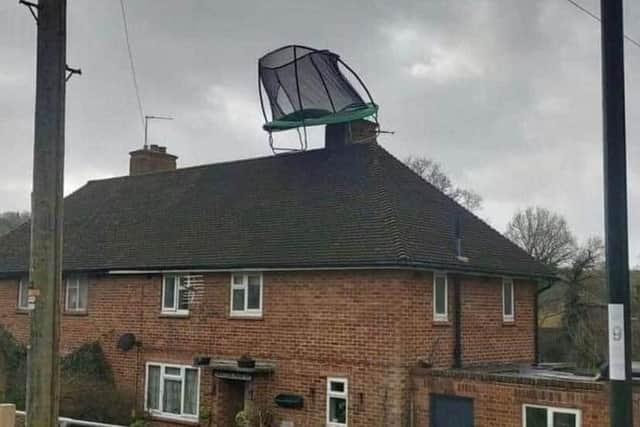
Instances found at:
x=87 y=387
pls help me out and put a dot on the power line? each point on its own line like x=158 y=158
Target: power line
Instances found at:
x=133 y=68
x=597 y=18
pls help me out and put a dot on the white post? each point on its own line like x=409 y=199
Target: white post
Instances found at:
x=7 y=415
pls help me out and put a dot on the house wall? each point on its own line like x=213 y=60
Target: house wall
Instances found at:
x=498 y=402
x=367 y=326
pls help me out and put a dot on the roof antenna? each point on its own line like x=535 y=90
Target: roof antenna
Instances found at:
x=146 y=126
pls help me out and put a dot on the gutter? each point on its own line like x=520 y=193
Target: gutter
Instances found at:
x=401 y=264
x=374 y=266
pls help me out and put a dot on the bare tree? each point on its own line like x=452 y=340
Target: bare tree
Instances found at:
x=544 y=235
x=11 y=220
x=584 y=305
x=433 y=173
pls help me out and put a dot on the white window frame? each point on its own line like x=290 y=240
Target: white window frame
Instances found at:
x=182 y=377
x=441 y=317
x=344 y=395
x=246 y=312
x=175 y=310
x=550 y=411
x=23 y=287
x=77 y=282
x=508 y=317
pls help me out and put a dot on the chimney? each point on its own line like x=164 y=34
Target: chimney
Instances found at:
x=153 y=158
x=360 y=131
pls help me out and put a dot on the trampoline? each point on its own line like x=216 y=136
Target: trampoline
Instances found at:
x=306 y=87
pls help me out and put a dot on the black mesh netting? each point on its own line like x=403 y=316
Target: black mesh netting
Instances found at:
x=303 y=83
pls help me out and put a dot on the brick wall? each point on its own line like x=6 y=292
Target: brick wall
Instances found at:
x=367 y=326
x=498 y=402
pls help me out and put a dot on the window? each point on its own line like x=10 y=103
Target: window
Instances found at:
x=176 y=295
x=440 y=297
x=172 y=391
x=337 y=398
x=246 y=294
x=23 y=295
x=76 y=295
x=542 y=416
x=507 y=300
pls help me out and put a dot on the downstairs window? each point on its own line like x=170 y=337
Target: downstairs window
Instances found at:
x=545 y=416
x=172 y=391
x=337 y=402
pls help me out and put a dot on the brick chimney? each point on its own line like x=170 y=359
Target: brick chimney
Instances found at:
x=151 y=159
x=357 y=132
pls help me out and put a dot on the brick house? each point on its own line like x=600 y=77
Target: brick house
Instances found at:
x=346 y=278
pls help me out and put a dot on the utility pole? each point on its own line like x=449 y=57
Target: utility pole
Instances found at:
x=46 y=214
x=616 y=232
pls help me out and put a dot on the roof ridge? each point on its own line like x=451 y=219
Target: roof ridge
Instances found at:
x=208 y=165
x=387 y=212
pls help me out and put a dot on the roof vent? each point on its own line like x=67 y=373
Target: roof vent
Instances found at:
x=458 y=231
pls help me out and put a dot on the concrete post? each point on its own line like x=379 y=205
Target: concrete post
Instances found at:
x=7 y=415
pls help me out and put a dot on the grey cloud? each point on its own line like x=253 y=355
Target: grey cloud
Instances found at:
x=513 y=111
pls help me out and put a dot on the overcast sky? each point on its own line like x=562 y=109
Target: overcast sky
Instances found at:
x=504 y=93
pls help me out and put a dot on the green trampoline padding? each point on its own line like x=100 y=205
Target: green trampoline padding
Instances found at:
x=316 y=117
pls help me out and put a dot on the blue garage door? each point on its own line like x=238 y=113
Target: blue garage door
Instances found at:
x=451 y=411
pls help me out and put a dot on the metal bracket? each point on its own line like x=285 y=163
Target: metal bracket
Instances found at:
x=31 y=7
x=71 y=72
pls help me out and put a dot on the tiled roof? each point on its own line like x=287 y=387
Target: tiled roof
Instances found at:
x=353 y=207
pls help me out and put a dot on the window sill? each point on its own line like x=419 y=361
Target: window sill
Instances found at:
x=176 y=419
x=508 y=322
x=175 y=315
x=24 y=311
x=246 y=316
x=76 y=313
x=442 y=322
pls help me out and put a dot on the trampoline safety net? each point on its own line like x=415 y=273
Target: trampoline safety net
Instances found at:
x=305 y=87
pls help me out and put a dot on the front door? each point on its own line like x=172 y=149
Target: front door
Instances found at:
x=451 y=411
x=230 y=401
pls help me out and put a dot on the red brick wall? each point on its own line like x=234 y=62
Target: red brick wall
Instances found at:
x=499 y=403
x=486 y=338
x=367 y=326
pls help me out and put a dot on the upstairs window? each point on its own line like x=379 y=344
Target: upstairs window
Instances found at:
x=543 y=416
x=172 y=391
x=23 y=294
x=337 y=402
x=440 y=297
x=76 y=294
x=507 y=300
x=246 y=294
x=176 y=295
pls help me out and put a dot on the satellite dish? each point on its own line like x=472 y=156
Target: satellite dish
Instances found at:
x=126 y=342
x=306 y=87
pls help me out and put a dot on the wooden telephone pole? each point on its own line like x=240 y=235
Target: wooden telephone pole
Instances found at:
x=46 y=214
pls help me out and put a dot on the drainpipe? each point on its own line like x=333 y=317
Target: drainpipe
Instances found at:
x=457 y=322
x=536 y=334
